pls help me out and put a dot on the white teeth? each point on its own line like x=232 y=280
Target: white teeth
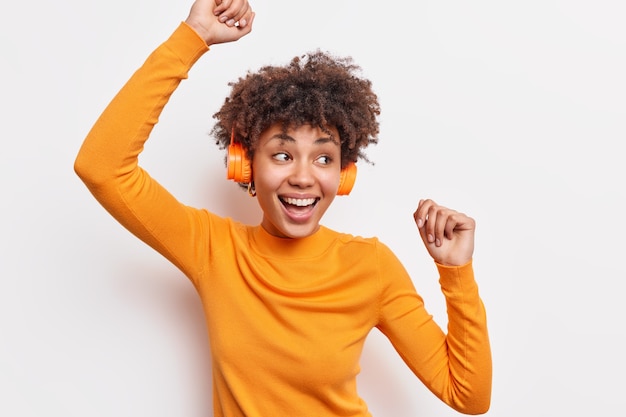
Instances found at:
x=300 y=202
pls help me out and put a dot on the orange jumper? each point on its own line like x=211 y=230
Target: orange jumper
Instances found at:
x=287 y=318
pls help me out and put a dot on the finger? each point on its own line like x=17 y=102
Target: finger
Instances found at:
x=246 y=22
x=242 y=18
x=221 y=6
x=463 y=222
x=430 y=221
x=232 y=11
x=450 y=226
x=421 y=212
x=419 y=221
x=440 y=220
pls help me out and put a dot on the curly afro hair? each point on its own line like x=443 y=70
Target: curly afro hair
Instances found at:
x=317 y=88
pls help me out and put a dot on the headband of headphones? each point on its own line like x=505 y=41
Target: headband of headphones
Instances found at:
x=239 y=168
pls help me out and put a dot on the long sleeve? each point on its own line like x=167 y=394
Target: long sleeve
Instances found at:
x=315 y=297
x=108 y=159
x=455 y=366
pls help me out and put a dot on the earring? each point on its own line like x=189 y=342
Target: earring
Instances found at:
x=251 y=189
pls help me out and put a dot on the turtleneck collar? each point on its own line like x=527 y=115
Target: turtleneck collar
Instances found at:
x=301 y=248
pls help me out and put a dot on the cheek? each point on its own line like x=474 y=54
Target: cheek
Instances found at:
x=330 y=181
x=265 y=179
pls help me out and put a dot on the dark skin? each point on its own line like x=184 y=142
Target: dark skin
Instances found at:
x=448 y=235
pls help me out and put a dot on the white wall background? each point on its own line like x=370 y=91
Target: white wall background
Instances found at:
x=512 y=112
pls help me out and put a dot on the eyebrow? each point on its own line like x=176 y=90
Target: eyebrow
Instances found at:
x=320 y=141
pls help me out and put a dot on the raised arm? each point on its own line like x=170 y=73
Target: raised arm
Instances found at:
x=108 y=158
x=455 y=365
x=463 y=379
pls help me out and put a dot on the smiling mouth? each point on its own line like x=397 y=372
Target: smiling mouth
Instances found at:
x=298 y=205
x=299 y=202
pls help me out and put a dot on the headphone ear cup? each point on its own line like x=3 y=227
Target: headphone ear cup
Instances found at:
x=347 y=179
x=237 y=163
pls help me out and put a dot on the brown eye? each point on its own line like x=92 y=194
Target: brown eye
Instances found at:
x=324 y=159
x=282 y=156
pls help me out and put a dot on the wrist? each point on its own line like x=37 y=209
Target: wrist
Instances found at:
x=200 y=30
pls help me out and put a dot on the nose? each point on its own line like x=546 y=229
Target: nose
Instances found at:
x=302 y=175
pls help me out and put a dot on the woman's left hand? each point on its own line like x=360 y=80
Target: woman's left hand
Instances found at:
x=447 y=234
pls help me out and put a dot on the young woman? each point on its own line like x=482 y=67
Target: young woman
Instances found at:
x=289 y=303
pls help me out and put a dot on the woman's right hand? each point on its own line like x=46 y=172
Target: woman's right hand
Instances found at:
x=221 y=21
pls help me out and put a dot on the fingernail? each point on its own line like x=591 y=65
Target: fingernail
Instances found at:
x=420 y=223
x=230 y=22
x=431 y=238
x=242 y=23
x=223 y=18
x=438 y=242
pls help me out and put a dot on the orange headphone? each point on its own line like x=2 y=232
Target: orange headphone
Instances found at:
x=239 y=168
